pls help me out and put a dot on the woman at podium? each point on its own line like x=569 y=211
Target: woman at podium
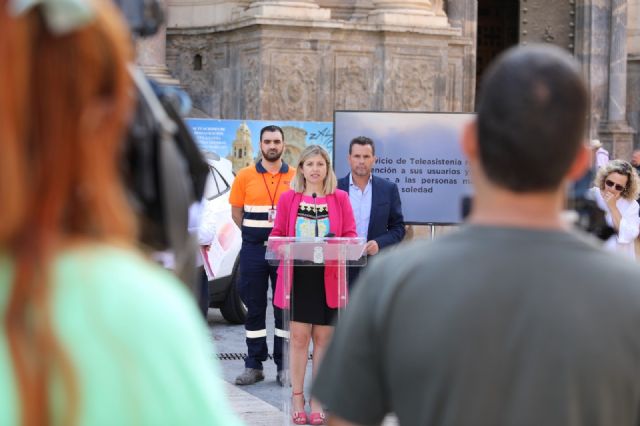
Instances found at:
x=314 y=207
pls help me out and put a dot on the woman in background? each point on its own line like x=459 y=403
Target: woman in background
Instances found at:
x=92 y=332
x=314 y=207
x=616 y=190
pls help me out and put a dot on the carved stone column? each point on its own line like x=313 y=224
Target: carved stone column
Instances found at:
x=633 y=100
x=288 y=9
x=601 y=48
x=633 y=22
x=615 y=132
x=463 y=14
x=151 y=56
x=618 y=61
x=412 y=13
x=633 y=69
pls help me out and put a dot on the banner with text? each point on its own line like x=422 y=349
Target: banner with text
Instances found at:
x=239 y=140
x=420 y=152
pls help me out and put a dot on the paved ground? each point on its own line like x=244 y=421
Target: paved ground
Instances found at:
x=261 y=404
x=229 y=340
x=252 y=410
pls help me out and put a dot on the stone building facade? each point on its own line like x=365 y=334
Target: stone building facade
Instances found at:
x=303 y=59
x=303 y=66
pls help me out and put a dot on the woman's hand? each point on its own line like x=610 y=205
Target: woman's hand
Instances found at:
x=610 y=199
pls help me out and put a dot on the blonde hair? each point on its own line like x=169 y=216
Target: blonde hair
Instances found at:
x=298 y=183
x=624 y=168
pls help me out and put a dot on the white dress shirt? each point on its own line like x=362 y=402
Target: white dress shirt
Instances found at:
x=361 y=204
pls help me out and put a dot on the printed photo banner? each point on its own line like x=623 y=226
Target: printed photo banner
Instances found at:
x=420 y=152
x=239 y=140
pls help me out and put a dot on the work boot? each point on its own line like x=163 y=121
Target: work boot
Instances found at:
x=249 y=376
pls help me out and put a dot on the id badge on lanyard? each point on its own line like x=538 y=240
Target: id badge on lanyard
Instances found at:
x=271 y=216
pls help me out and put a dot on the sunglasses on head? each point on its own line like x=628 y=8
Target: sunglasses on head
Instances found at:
x=611 y=184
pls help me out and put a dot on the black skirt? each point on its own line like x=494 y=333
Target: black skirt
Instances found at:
x=309 y=296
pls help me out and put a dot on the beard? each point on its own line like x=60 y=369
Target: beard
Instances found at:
x=361 y=171
x=272 y=155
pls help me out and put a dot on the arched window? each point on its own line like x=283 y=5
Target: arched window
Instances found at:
x=197 y=62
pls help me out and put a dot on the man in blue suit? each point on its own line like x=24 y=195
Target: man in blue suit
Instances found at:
x=375 y=201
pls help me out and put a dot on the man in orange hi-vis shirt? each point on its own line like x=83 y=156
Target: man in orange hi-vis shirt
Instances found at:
x=254 y=197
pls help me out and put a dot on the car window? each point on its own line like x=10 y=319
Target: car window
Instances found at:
x=219 y=184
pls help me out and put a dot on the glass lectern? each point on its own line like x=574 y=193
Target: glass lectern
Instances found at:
x=333 y=255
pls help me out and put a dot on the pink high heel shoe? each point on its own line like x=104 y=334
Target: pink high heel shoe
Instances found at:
x=299 y=417
x=316 y=418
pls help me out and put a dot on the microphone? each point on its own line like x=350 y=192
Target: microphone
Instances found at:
x=315 y=206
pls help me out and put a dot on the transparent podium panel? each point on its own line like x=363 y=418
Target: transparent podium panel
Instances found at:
x=312 y=291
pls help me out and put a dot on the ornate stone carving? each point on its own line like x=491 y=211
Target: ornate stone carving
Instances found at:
x=181 y=53
x=353 y=82
x=293 y=86
x=413 y=84
x=180 y=58
x=251 y=86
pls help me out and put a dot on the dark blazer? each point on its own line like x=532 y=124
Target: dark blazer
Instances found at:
x=386 y=223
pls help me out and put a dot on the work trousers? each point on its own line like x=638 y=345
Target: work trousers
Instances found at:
x=255 y=274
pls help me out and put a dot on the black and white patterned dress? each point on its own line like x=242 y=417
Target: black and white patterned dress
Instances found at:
x=309 y=299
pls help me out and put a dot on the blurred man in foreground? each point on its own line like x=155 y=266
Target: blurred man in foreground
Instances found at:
x=513 y=320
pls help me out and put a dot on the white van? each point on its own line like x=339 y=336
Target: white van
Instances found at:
x=223 y=291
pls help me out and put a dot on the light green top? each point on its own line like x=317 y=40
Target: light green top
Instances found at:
x=135 y=337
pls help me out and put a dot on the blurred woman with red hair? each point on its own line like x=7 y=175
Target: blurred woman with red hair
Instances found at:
x=92 y=333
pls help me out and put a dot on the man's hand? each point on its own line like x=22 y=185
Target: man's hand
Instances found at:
x=372 y=247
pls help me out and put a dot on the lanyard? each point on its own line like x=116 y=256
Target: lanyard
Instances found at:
x=272 y=199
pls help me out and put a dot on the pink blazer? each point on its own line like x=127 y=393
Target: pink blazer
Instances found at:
x=341 y=223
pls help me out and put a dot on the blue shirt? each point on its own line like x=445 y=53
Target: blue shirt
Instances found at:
x=361 y=203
